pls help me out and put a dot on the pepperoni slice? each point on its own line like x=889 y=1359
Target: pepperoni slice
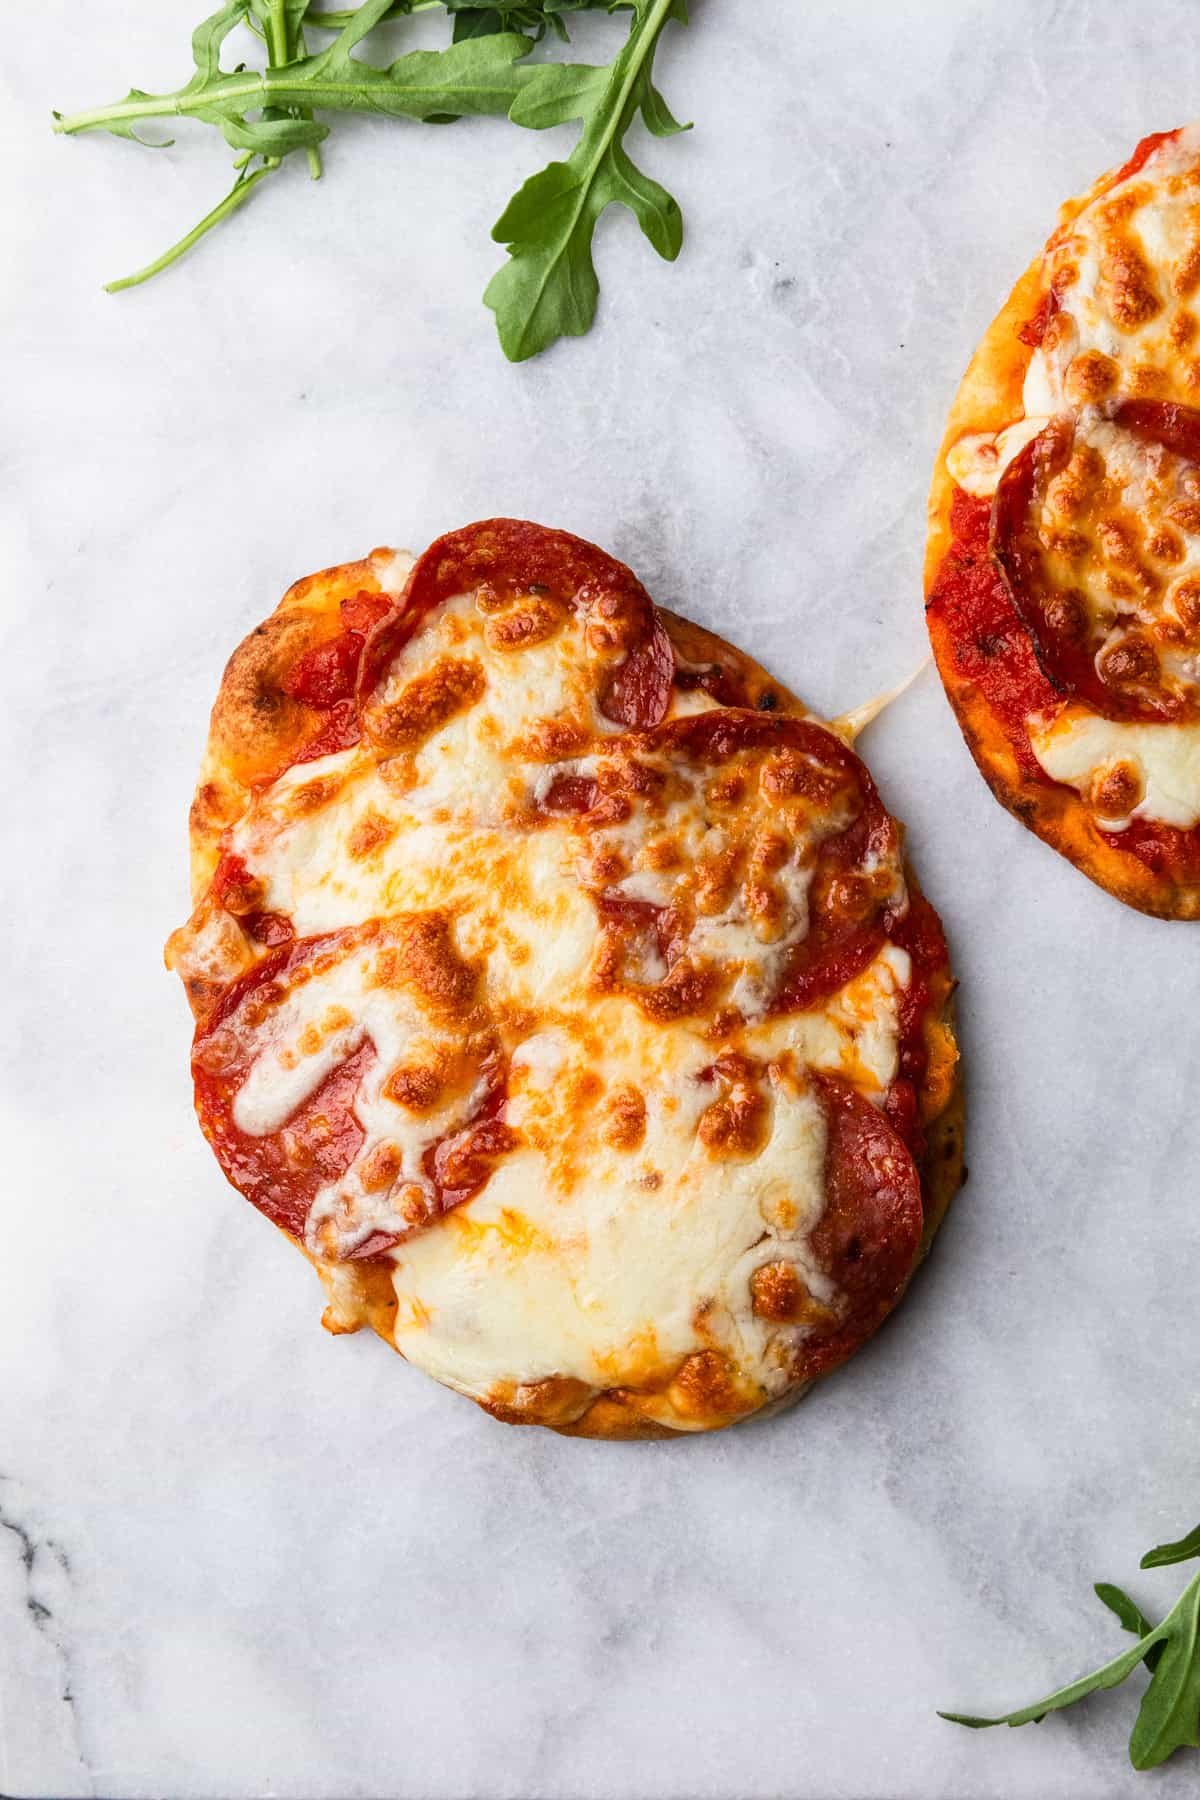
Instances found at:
x=570 y=794
x=280 y=1172
x=638 y=692
x=869 y=1235
x=1064 y=639
x=855 y=878
x=234 y=888
x=510 y=558
x=724 y=733
x=848 y=911
x=846 y=907
x=847 y=897
x=283 y=1170
x=459 y=1164
x=1176 y=428
x=920 y=933
x=723 y=685
x=326 y=676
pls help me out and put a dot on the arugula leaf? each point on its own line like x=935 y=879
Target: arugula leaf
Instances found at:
x=268 y=113
x=479 y=18
x=1129 y=1613
x=1181 y=1551
x=1169 y=1716
x=549 y=288
x=474 y=77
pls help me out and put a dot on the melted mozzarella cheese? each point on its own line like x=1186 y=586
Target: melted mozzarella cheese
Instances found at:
x=620 y=1234
x=617 y=1278
x=1078 y=747
x=978 y=459
x=1126 y=269
x=392 y=570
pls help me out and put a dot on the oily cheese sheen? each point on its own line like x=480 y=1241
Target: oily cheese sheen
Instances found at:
x=1063 y=567
x=562 y=991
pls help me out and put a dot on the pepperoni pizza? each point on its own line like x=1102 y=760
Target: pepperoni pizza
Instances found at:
x=561 y=990
x=1063 y=566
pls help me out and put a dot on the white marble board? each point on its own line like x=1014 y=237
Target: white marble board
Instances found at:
x=239 y=1558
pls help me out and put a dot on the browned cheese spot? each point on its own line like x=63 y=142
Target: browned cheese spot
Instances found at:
x=615 y=623
x=685 y=991
x=1164 y=545
x=736 y=1124
x=1072 y=546
x=606 y=867
x=624 y=1126
x=727 y=788
x=369 y=834
x=549 y=740
x=1072 y=488
x=490 y=599
x=1185 y=514
x=418 y=1087
x=716 y=880
x=1130 y=659
x=1126 y=286
x=557 y=1400
x=790 y=776
x=425 y=958
x=381 y=1168
x=662 y=853
x=535 y=621
x=704 y=1388
x=1118 y=541
x=777 y=1293
x=1091 y=377
x=1185 y=598
x=1067 y=614
x=430 y=700
x=1146 y=379
x=1182 y=329
x=1116 y=791
x=313 y=795
x=1185 y=271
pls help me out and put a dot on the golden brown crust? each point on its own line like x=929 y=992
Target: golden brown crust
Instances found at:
x=254 y=730
x=989 y=398
x=256 y=726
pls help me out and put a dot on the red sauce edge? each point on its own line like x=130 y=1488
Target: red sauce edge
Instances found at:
x=988 y=644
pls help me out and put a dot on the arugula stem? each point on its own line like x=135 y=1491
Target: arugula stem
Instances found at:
x=282 y=50
x=237 y=196
x=252 y=87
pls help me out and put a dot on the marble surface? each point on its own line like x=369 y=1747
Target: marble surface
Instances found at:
x=240 y=1558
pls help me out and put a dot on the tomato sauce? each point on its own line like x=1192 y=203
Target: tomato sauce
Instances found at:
x=988 y=644
x=1163 y=849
